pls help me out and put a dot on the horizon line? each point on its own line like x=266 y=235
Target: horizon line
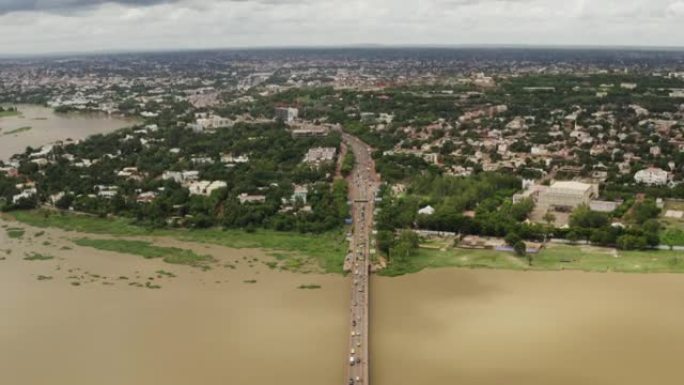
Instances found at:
x=378 y=46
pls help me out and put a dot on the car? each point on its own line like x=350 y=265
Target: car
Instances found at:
x=353 y=351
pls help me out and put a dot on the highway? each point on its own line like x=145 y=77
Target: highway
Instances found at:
x=363 y=183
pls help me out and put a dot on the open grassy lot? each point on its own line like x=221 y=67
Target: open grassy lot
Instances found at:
x=147 y=250
x=453 y=257
x=327 y=250
x=590 y=258
x=554 y=257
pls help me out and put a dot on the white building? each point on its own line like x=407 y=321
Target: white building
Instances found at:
x=427 y=210
x=246 y=198
x=181 y=176
x=206 y=188
x=230 y=158
x=652 y=176
x=106 y=191
x=26 y=194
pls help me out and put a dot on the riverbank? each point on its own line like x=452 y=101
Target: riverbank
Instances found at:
x=326 y=252
x=293 y=251
x=553 y=257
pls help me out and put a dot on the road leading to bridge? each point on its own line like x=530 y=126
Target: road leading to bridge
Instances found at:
x=363 y=185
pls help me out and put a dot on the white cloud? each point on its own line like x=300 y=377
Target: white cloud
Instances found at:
x=229 y=23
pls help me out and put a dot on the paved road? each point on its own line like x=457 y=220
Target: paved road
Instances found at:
x=363 y=184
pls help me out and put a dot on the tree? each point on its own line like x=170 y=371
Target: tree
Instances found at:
x=403 y=249
x=672 y=237
x=644 y=211
x=549 y=218
x=520 y=248
x=512 y=239
x=585 y=218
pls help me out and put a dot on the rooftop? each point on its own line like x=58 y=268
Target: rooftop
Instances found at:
x=570 y=185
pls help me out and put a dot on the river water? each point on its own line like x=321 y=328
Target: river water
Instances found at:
x=47 y=127
x=436 y=327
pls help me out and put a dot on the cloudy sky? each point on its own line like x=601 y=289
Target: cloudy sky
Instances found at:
x=46 y=26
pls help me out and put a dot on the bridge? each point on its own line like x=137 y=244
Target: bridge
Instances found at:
x=363 y=185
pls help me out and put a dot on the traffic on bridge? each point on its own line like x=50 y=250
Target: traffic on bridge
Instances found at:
x=363 y=187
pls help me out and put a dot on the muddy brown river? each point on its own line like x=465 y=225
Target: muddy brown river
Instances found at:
x=437 y=327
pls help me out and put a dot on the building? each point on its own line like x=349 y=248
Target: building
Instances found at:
x=181 y=176
x=300 y=193
x=232 y=159
x=246 y=198
x=652 y=176
x=211 y=122
x=286 y=114
x=318 y=155
x=206 y=188
x=25 y=194
x=427 y=210
x=146 y=197
x=108 y=192
x=567 y=195
x=316 y=131
x=603 y=206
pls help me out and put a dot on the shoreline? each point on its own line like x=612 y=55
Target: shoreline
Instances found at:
x=322 y=253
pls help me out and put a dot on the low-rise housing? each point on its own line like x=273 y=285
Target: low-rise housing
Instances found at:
x=247 y=198
x=652 y=176
x=206 y=188
x=317 y=156
x=181 y=177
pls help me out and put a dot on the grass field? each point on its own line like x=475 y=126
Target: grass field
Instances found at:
x=554 y=257
x=425 y=258
x=147 y=250
x=326 y=250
